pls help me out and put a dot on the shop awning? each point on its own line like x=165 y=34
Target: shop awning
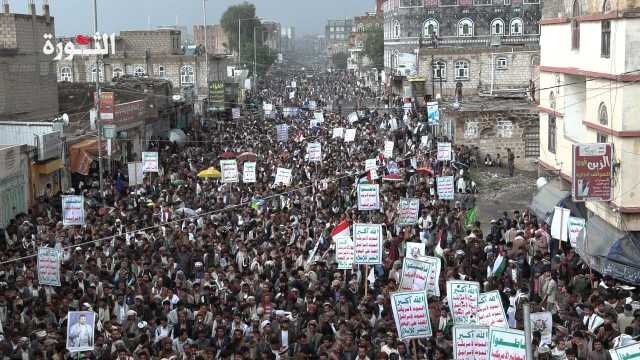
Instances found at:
x=48 y=167
x=549 y=196
x=83 y=153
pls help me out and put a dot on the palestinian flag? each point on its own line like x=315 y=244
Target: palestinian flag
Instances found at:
x=499 y=265
x=367 y=177
x=342 y=229
x=470 y=217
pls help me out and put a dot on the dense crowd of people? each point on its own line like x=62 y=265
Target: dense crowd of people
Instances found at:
x=185 y=267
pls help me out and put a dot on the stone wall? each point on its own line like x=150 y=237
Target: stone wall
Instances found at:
x=137 y=43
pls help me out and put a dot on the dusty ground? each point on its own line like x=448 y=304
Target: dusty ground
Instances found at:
x=498 y=192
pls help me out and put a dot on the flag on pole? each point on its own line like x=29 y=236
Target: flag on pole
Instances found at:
x=499 y=265
x=470 y=217
x=342 y=229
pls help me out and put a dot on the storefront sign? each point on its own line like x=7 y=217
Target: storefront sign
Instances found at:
x=592 y=170
x=107 y=105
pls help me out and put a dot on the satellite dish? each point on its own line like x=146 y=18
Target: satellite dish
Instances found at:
x=65 y=119
x=541 y=182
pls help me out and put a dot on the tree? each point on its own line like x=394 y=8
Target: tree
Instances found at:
x=374 y=46
x=339 y=60
x=245 y=15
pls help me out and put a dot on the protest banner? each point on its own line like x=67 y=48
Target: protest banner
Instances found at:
x=49 y=266
x=282 y=132
x=444 y=152
x=592 y=172
x=150 y=162
x=415 y=250
x=229 y=169
x=543 y=322
x=235 y=113
x=249 y=172
x=415 y=275
x=136 y=176
x=367 y=240
x=368 y=197
x=470 y=342
x=408 y=209
x=577 y=228
x=388 y=149
x=463 y=301
x=80 y=330
x=314 y=150
x=349 y=135
x=338 y=133
x=283 y=177
x=345 y=249
x=631 y=351
x=433 y=114
x=72 y=210
x=370 y=164
x=560 y=223
x=411 y=314
x=491 y=311
x=507 y=344
x=445 y=188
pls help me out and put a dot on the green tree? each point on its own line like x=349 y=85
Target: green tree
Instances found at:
x=339 y=60
x=245 y=15
x=374 y=46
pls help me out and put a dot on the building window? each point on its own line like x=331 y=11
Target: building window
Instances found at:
x=117 y=72
x=440 y=70
x=462 y=70
x=465 y=28
x=606 y=6
x=430 y=28
x=551 y=133
x=507 y=2
x=516 y=27
x=497 y=27
x=575 y=26
x=395 y=59
x=501 y=63
x=162 y=73
x=410 y=3
x=138 y=71
x=66 y=74
x=552 y=100
x=603 y=116
x=396 y=29
x=482 y=2
x=186 y=74
x=532 y=1
x=602 y=138
x=93 y=74
x=605 y=46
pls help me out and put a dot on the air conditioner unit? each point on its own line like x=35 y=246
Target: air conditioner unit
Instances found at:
x=49 y=146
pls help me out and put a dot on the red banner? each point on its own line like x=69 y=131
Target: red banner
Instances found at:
x=592 y=171
x=107 y=103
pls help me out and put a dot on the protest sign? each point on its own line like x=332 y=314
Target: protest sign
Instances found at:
x=150 y=161
x=507 y=344
x=49 y=266
x=318 y=116
x=424 y=141
x=353 y=117
x=293 y=83
x=313 y=105
x=415 y=275
x=592 y=172
x=136 y=176
x=577 y=230
x=368 y=197
x=349 y=135
x=268 y=109
x=470 y=342
x=344 y=245
x=249 y=172
x=433 y=282
x=463 y=301
x=229 y=169
x=411 y=314
x=388 y=149
x=283 y=177
x=72 y=210
x=627 y=352
x=370 y=164
x=415 y=250
x=433 y=114
x=543 y=322
x=338 y=133
x=491 y=312
x=444 y=152
x=314 y=150
x=367 y=240
x=235 y=113
x=80 y=327
x=408 y=209
x=560 y=223
x=445 y=187
x=282 y=132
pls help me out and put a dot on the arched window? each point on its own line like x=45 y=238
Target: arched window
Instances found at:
x=465 y=28
x=603 y=116
x=497 y=27
x=430 y=27
x=462 y=70
x=395 y=59
x=516 y=27
x=440 y=70
x=66 y=74
x=396 y=29
x=575 y=26
x=162 y=72
x=117 y=72
x=138 y=71
x=93 y=74
x=186 y=74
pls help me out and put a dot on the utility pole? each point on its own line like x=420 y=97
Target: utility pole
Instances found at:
x=255 y=57
x=527 y=330
x=206 y=47
x=239 y=47
x=97 y=96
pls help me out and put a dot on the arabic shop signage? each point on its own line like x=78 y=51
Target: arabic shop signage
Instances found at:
x=216 y=95
x=99 y=44
x=592 y=170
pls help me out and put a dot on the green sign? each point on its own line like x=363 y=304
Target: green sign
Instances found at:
x=216 y=95
x=109 y=131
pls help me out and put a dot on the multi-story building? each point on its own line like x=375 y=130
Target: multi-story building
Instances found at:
x=288 y=40
x=270 y=32
x=363 y=25
x=589 y=92
x=487 y=46
x=187 y=39
x=217 y=40
x=337 y=34
x=28 y=88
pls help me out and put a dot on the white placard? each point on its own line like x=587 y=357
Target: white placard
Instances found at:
x=408 y=209
x=283 y=177
x=229 y=169
x=560 y=223
x=445 y=187
x=150 y=162
x=282 y=131
x=318 y=116
x=235 y=113
x=411 y=314
x=543 y=322
x=368 y=197
x=345 y=252
x=72 y=210
x=367 y=240
x=577 y=228
x=249 y=172
x=444 y=152
x=49 y=266
x=462 y=297
x=353 y=117
x=338 y=133
x=415 y=250
x=491 y=310
x=415 y=275
x=314 y=151
x=370 y=164
x=388 y=149
x=349 y=135
x=470 y=342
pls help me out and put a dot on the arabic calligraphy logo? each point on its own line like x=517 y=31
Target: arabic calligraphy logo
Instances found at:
x=103 y=45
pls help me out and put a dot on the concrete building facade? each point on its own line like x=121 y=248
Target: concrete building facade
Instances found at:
x=217 y=40
x=337 y=33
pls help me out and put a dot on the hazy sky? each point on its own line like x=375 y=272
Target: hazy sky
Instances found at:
x=76 y=16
